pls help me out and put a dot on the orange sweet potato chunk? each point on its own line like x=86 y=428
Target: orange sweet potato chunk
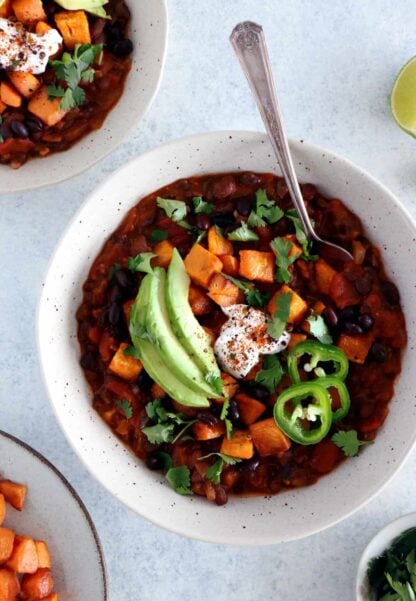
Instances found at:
x=44 y=557
x=239 y=445
x=217 y=244
x=295 y=339
x=38 y=585
x=14 y=493
x=163 y=250
x=230 y=385
x=355 y=347
x=230 y=265
x=51 y=597
x=25 y=83
x=250 y=409
x=125 y=366
x=24 y=559
x=74 y=27
x=201 y=265
x=199 y=301
x=2 y=508
x=9 y=96
x=29 y=11
x=224 y=292
x=46 y=110
x=298 y=306
x=7 y=537
x=257 y=265
x=6 y=9
x=268 y=438
x=9 y=585
x=324 y=275
x=207 y=432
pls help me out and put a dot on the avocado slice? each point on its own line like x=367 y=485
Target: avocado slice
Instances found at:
x=95 y=7
x=188 y=330
x=151 y=359
x=170 y=349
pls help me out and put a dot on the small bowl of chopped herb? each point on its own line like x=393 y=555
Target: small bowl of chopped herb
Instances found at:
x=387 y=568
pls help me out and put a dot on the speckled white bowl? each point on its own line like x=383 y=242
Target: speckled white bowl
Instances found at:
x=254 y=520
x=376 y=547
x=149 y=32
x=53 y=512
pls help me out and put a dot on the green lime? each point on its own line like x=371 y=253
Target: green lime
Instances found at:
x=403 y=98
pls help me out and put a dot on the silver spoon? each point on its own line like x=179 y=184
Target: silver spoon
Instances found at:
x=250 y=47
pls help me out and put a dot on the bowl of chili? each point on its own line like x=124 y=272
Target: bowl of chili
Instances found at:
x=202 y=239
x=99 y=75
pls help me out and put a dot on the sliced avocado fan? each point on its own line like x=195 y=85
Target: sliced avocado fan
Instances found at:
x=95 y=7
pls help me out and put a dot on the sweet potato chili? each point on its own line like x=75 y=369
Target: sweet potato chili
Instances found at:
x=306 y=351
x=50 y=101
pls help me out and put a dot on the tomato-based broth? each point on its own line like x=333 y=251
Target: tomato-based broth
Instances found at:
x=301 y=353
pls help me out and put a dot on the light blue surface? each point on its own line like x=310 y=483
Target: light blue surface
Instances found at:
x=335 y=63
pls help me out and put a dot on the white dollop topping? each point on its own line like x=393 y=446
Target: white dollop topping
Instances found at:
x=243 y=338
x=21 y=50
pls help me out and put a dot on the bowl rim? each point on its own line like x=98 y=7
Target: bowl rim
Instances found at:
x=253 y=135
x=96 y=158
x=37 y=455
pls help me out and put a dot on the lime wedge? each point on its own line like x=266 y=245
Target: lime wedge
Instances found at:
x=403 y=98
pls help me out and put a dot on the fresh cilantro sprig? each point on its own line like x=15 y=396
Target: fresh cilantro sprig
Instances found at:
x=141 y=331
x=215 y=382
x=284 y=259
x=72 y=69
x=141 y=262
x=174 y=209
x=301 y=236
x=254 y=297
x=242 y=234
x=126 y=407
x=224 y=417
x=158 y=235
x=319 y=329
x=131 y=351
x=214 y=472
x=180 y=479
x=277 y=323
x=266 y=211
x=348 y=442
x=271 y=374
x=165 y=428
x=202 y=206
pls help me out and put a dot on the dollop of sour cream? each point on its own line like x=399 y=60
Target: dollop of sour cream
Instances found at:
x=243 y=338
x=21 y=50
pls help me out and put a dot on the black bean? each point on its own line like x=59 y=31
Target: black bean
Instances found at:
x=124 y=278
x=34 y=125
x=223 y=220
x=203 y=222
x=221 y=496
x=89 y=360
x=363 y=285
x=155 y=462
x=5 y=131
x=251 y=465
x=244 y=205
x=283 y=226
x=365 y=321
x=207 y=418
x=114 y=34
x=379 y=352
x=347 y=314
x=233 y=411
x=216 y=410
x=19 y=129
x=259 y=392
x=352 y=328
x=330 y=316
x=114 y=314
x=390 y=293
x=115 y=294
x=144 y=380
x=122 y=48
x=249 y=178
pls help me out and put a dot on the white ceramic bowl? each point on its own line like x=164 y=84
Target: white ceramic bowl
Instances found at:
x=376 y=547
x=53 y=512
x=149 y=33
x=254 y=520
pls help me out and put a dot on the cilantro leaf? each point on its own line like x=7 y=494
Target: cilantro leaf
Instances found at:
x=266 y=211
x=141 y=262
x=347 y=441
x=166 y=423
x=242 y=234
x=174 y=209
x=152 y=409
x=225 y=419
x=278 y=321
x=202 y=206
x=159 y=433
x=284 y=259
x=142 y=332
x=213 y=472
x=180 y=479
x=131 y=351
x=271 y=374
x=164 y=458
x=255 y=298
x=55 y=92
x=301 y=236
x=158 y=235
x=319 y=329
x=125 y=406
x=215 y=382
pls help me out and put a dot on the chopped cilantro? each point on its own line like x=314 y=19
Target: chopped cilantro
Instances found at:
x=319 y=329
x=284 y=258
x=202 y=206
x=164 y=458
x=242 y=234
x=301 y=236
x=131 y=351
x=225 y=419
x=158 y=235
x=213 y=473
x=254 y=297
x=141 y=262
x=165 y=423
x=180 y=479
x=215 y=382
x=278 y=321
x=266 y=211
x=174 y=209
x=271 y=374
x=159 y=433
x=142 y=332
x=125 y=406
x=347 y=440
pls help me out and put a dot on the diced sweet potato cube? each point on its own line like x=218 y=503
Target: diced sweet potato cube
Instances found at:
x=201 y=265
x=295 y=339
x=74 y=27
x=46 y=110
x=42 y=27
x=9 y=585
x=25 y=83
x=298 y=306
x=257 y=265
x=230 y=265
x=355 y=347
x=6 y=544
x=14 y=493
x=38 y=585
x=163 y=250
x=358 y=252
x=250 y=409
x=239 y=445
x=199 y=301
x=9 y=95
x=2 y=508
x=230 y=385
x=268 y=438
x=157 y=391
x=217 y=244
x=224 y=292
x=318 y=307
x=203 y=431
x=44 y=557
x=343 y=292
x=125 y=366
x=3 y=107
x=51 y=597
x=295 y=249
x=6 y=9
x=29 y=11
x=24 y=559
x=127 y=310
x=324 y=275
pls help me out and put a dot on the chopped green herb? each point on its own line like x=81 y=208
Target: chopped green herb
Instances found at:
x=215 y=382
x=202 y=206
x=180 y=479
x=125 y=406
x=301 y=236
x=266 y=211
x=158 y=235
x=166 y=422
x=142 y=332
x=347 y=441
x=278 y=321
x=159 y=433
x=225 y=419
x=319 y=329
x=213 y=473
x=242 y=234
x=164 y=458
x=174 y=209
x=254 y=297
x=131 y=351
x=141 y=262
x=284 y=259
x=271 y=374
